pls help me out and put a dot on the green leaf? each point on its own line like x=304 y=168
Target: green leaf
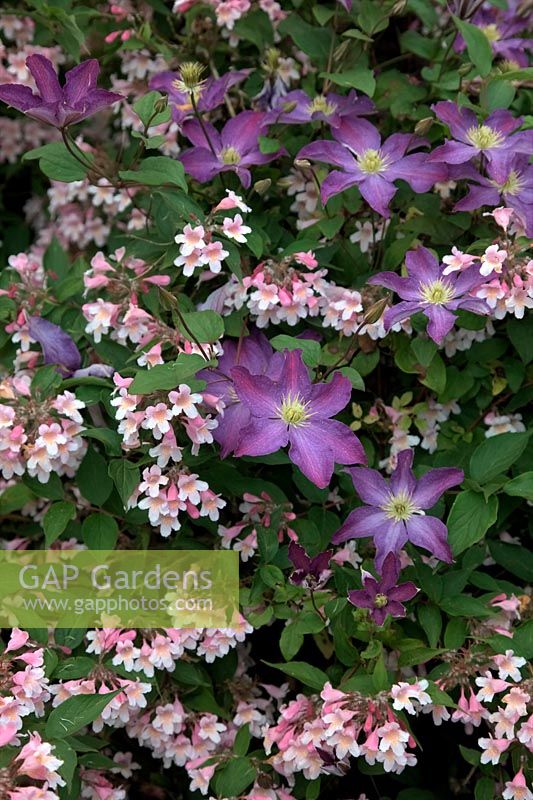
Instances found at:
x=313 y=41
x=92 y=479
x=145 y=108
x=57 y=163
x=167 y=376
x=255 y=27
x=354 y=378
x=431 y=621
x=52 y=489
x=267 y=543
x=234 y=777
x=67 y=755
x=310 y=349
x=99 y=532
x=470 y=518
x=455 y=633
x=242 y=741
x=307 y=674
x=440 y=697
x=109 y=438
x=477 y=44
x=520 y=332
x=464 y=605
x=201 y=326
x=56 y=520
x=157 y=171
x=126 y=477
x=484 y=789
x=73 y=668
x=75 y=713
x=290 y=641
x=517 y=560
x=435 y=377
x=496 y=455
x=521 y=486
x=15 y=497
x=418 y=655
x=360 y=77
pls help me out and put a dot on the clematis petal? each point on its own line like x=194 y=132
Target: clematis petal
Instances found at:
x=434 y=483
x=405 y=591
x=58 y=347
x=261 y=437
x=406 y=288
x=336 y=182
x=399 y=313
x=402 y=479
x=360 y=523
x=378 y=192
x=441 y=321
x=294 y=378
x=311 y=455
x=339 y=438
x=422 y=265
x=458 y=119
x=243 y=131
x=370 y=485
x=327 y=399
x=230 y=426
x=389 y=573
x=389 y=540
x=298 y=556
x=45 y=77
x=20 y=97
x=80 y=80
x=330 y=153
x=261 y=395
x=431 y=534
x=360 y=598
x=453 y=153
x=358 y=134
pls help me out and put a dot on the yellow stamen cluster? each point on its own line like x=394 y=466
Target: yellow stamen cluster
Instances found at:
x=372 y=162
x=437 y=293
x=229 y=155
x=400 y=507
x=293 y=410
x=484 y=137
x=321 y=104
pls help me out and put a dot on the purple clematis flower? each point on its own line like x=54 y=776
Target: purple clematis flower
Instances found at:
x=509 y=181
x=330 y=108
x=294 y=411
x=211 y=92
x=394 y=512
x=57 y=346
x=257 y=356
x=500 y=27
x=490 y=138
x=428 y=290
x=234 y=149
x=308 y=572
x=58 y=105
x=383 y=596
x=371 y=165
